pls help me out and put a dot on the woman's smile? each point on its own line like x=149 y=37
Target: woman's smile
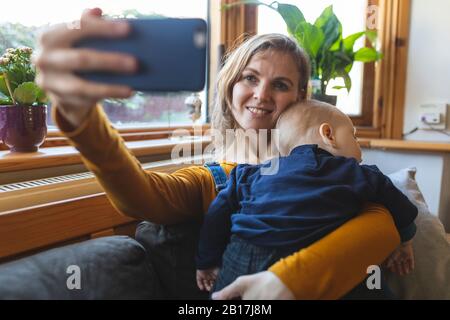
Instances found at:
x=259 y=112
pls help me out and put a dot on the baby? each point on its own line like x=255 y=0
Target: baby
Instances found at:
x=320 y=184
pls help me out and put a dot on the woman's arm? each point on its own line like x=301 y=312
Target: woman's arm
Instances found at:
x=332 y=266
x=159 y=197
x=327 y=269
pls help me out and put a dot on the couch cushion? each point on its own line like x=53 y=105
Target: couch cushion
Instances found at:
x=431 y=276
x=109 y=268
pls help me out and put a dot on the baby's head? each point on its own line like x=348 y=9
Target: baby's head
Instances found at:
x=315 y=122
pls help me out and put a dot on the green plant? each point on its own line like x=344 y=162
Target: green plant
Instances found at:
x=17 y=75
x=331 y=55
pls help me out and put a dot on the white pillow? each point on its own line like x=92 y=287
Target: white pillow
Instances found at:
x=431 y=276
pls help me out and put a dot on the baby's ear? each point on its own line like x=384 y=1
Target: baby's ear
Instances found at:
x=327 y=134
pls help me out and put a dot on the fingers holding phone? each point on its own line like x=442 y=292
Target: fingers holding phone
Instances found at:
x=69 y=60
x=57 y=62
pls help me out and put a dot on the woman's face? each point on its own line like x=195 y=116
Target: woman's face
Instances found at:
x=267 y=85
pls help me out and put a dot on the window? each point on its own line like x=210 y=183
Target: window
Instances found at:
x=352 y=15
x=143 y=110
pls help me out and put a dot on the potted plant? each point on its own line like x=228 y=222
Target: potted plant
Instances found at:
x=23 y=112
x=331 y=55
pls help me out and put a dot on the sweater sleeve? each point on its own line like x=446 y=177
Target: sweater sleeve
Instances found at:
x=335 y=264
x=159 y=197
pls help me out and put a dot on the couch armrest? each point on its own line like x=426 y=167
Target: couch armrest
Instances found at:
x=110 y=268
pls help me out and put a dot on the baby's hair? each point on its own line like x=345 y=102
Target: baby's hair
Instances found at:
x=301 y=121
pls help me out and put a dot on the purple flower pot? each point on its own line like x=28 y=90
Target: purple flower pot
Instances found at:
x=23 y=128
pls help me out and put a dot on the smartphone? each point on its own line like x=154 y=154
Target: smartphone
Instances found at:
x=171 y=54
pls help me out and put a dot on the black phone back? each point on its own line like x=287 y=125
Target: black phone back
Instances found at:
x=171 y=54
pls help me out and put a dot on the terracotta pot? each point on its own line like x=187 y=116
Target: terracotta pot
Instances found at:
x=23 y=128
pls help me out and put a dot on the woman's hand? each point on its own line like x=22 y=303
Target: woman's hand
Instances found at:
x=259 y=286
x=57 y=61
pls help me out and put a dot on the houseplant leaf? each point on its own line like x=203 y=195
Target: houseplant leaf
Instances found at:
x=310 y=38
x=41 y=97
x=349 y=41
x=3 y=87
x=4 y=99
x=372 y=36
x=349 y=67
x=331 y=56
x=347 y=81
x=367 y=55
x=330 y=26
x=26 y=93
x=14 y=77
x=291 y=15
x=337 y=45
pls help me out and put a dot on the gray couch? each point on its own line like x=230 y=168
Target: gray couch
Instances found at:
x=110 y=268
x=159 y=264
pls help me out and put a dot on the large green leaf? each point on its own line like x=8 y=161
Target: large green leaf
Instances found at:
x=15 y=78
x=41 y=97
x=349 y=41
x=291 y=15
x=347 y=81
x=310 y=38
x=343 y=58
x=337 y=45
x=367 y=55
x=3 y=87
x=372 y=36
x=349 y=67
x=327 y=69
x=330 y=26
x=26 y=93
x=331 y=56
x=4 y=99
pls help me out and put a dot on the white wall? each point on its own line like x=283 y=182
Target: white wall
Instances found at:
x=429 y=169
x=428 y=73
x=433 y=175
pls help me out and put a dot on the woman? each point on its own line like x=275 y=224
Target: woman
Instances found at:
x=258 y=82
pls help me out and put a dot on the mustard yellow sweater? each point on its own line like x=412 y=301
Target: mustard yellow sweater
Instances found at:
x=325 y=270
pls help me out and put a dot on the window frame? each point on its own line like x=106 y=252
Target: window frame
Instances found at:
x=384 y=82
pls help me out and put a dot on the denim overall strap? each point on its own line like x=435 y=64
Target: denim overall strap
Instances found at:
x=219 y=175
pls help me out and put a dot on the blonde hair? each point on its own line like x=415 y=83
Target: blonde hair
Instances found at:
x=300 y=122
x=236 y=61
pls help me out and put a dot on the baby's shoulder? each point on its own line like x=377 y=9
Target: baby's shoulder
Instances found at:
x=371 y=168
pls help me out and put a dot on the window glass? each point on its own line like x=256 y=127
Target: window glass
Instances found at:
x=30 y=18
x=352 y=15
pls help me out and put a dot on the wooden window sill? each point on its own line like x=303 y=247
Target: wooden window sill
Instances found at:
x=406 y=145
x=67 y=155
x=368 y=132
x=50 y=216
x=56 y=139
